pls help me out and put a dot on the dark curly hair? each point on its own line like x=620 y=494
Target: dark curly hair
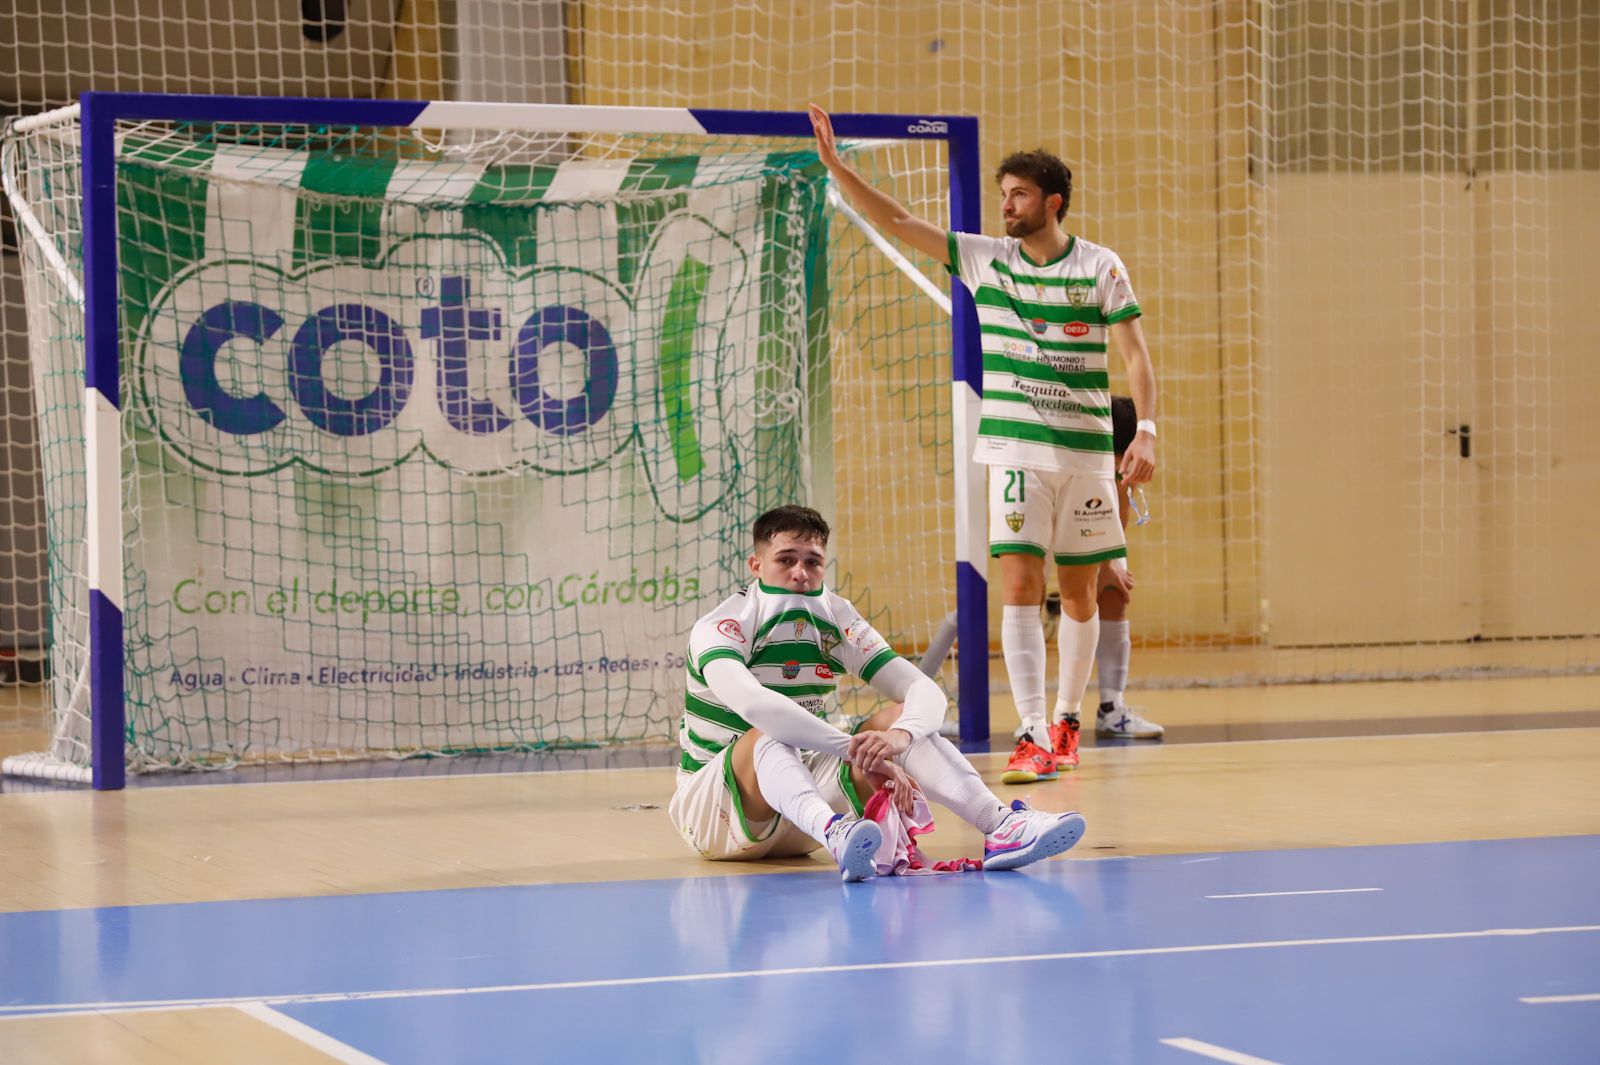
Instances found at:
x=1043 y=169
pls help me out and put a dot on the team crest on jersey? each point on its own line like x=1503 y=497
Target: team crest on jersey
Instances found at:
x=799 y=628
x=791 y=670
x=829 y=642
x=1014 y=520
x=730 y=628
x=1077 y=295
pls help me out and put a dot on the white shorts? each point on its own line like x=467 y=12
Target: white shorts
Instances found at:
x=705 y=811
x=1072 y=516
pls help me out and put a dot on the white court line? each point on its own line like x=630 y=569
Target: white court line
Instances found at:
x=308 y=1035
x=1546 y=1000
x=1209 y=1050
x=1275 y=894
x=7 y=1012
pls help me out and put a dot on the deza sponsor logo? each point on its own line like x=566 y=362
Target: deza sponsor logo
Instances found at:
x=350 y=369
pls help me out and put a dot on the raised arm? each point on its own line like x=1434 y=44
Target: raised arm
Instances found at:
x=883 y=210
x=772 y=713
x=1139 y=461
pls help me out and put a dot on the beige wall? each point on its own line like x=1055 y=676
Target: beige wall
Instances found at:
x=1310 y=491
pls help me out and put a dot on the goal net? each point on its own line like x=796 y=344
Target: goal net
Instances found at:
x=439 y=440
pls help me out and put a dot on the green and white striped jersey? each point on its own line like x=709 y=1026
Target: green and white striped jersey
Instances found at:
x=1046 y=389
x=796 y=643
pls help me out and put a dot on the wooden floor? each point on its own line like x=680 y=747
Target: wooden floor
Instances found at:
x=1461 y=760
x=76 y=848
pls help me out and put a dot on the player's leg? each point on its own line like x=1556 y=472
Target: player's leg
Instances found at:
x=1116 y=719
x=1087 y=533
x=770 y=780
x=946 y=775
x=1020 y=524
x=1013 y=835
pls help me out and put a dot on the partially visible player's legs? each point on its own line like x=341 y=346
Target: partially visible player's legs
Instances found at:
x=946 y=775
x=1014 y=835
x=1020 y=526
x=772 y=780
x=1116 y=718
x=1076 y=639
x=1087 y=533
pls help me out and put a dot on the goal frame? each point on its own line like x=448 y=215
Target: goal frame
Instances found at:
x=99 y=113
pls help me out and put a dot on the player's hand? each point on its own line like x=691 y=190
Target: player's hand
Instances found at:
x=1116 y=573
x=1139 y=461
x=903 y=789
x=874 y=751
x=822 y=126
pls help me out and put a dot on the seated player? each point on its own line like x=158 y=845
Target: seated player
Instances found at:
x=764 y=775
x=1116 y=718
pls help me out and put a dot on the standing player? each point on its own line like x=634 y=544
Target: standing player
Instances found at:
x=1116 y=718
x=763 y=775
x=1047 y=302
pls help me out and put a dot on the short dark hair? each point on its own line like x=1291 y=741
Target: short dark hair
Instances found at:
x=1043 y=169
x=801 y=521
x=1124 y=423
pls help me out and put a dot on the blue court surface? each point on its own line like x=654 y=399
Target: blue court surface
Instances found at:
x=1448 y=952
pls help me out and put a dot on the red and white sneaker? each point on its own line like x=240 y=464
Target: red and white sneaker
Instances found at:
x=1064 y=743
x=1029 y=763
x=1028 y=835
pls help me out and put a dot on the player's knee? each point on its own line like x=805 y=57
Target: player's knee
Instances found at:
x=1113 y=603
x=883 y=719
x=1022 y=579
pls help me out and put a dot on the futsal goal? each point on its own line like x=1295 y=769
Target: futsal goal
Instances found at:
x=377 y=428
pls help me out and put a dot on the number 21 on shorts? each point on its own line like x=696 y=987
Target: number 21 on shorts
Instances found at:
x=1014 y=483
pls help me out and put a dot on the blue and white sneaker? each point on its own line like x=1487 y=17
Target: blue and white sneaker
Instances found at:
x=854 y=842
x=1028 y=835
x=1118 y=720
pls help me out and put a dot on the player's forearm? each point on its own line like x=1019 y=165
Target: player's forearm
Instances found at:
x=924 y=702
x=1141 y=373
x=772 y=713
x=881 y=209
x=1142 y=386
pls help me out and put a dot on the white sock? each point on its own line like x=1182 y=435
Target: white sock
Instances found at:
x=789 y=788
x=949 y=779
x=1077 y=640
x=1111 y=659
x=1022 y=642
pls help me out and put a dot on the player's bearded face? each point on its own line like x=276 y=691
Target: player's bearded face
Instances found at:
x=790 y=561
x=1022 y=207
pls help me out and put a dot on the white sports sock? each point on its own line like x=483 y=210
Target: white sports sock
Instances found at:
x=1077 y=640
x=949 y=779
x=1111 y=658
x=1022 y=642
x=789 y=788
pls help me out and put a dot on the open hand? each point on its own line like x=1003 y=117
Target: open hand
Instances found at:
x=822 y=126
